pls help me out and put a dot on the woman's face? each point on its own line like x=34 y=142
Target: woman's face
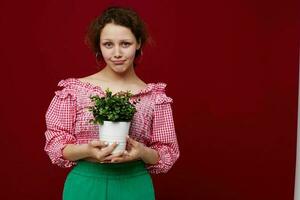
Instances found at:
x=118 y=46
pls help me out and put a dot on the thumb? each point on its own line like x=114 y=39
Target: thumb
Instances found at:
x=97 y=143
x=132 y=141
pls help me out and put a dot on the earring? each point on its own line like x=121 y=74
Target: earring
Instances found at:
x=97 y=59
x=97 y=53
x=141 y=52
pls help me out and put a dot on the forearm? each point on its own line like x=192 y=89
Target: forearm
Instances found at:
x=75 y=152
x=150 y=156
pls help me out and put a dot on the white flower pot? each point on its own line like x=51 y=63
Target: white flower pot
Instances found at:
x=114 y=132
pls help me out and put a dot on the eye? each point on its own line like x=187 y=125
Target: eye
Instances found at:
x=107 y=44
x=126 y=44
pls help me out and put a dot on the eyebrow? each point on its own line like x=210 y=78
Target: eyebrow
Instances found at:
x=120 y=40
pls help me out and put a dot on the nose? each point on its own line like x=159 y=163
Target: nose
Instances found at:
x=117 y=52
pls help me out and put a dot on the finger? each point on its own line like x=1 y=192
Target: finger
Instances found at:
x=130 y=139
x=125 y=157
x=114 y=155
x=116 y=160
x=103 y=143
x=104 y=162
x=125 y=153
x=132 y=142
x=122 y=159
x=94 y=143
x=129 y=146
x=108 y=150
x=98 y=143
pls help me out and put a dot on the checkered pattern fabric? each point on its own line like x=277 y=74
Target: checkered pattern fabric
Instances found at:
x=67 y=120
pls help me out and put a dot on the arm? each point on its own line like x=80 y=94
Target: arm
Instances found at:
x=60 y=119
x=94 y=151
x=163 y=138
x=75 y=152
x=149 y=156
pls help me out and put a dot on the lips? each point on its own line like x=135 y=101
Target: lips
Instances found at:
x=117 y=62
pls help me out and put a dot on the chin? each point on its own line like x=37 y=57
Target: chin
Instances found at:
x=120 y=68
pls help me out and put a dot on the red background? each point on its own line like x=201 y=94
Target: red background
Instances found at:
x=231 y=68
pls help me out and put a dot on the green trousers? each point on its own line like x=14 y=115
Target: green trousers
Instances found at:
x=110 y=181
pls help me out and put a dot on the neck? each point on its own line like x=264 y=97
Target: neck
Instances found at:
x=119 y=77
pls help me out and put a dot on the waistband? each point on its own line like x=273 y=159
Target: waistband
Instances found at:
x=112 y=170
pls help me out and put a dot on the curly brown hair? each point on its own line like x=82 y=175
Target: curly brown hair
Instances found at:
x=123 y=16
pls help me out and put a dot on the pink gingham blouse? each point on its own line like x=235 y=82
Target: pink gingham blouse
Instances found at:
x=67 y=120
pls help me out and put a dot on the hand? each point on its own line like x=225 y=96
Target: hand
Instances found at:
x=98 y=150
x=135 y=152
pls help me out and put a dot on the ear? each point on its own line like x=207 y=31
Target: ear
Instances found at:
x=139 y=45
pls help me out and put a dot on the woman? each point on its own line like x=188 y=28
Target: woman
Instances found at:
x=117 y=38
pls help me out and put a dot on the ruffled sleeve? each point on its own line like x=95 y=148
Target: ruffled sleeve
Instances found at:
x=60 y=119
x=163 y=138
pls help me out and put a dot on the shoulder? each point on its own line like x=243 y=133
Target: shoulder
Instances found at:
x=159 y=90
x=76 y=83
x=68 y=82
x=67 y=88
x=79 y=81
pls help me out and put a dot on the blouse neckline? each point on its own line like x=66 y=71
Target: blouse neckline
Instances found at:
x=148 y=88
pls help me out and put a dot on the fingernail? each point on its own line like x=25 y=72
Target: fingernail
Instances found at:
x=106 y=143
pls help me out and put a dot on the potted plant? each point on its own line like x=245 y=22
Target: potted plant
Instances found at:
x=113 y=114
